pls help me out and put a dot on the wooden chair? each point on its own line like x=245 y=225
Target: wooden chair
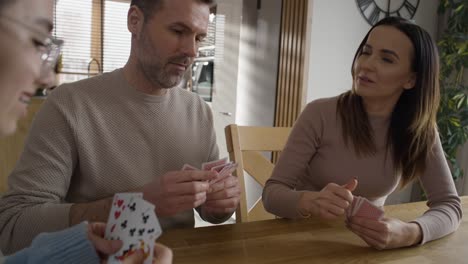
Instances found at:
x=245 y=144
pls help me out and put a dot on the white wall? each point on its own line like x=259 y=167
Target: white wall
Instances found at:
x=258 y=63
x=258 y=71
x=226 y=66
x=336 y=28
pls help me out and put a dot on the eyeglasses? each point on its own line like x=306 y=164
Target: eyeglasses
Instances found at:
x=50 y=54
x=50 y=47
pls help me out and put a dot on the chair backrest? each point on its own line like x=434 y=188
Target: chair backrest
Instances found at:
x=245 y=144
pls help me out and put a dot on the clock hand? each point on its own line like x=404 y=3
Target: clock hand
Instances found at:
x=388 y=7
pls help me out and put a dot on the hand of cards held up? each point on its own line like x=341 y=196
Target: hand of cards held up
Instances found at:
x=221 y=166
x=133 y=221
x=362 y=207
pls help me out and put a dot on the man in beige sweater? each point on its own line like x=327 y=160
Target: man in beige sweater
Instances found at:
x=123 y=131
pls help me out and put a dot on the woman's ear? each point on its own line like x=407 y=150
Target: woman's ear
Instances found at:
x=411 y=82
x=135 y=21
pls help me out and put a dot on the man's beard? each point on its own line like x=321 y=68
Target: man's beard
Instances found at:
x=158 y=75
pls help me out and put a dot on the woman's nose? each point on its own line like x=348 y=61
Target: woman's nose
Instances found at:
x=47 y=78
x=368 y=63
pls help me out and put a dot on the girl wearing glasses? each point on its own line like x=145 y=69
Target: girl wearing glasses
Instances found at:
x=27 y=58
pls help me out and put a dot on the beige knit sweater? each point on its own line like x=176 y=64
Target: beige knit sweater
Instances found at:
x=94 y=138
x=316 y=155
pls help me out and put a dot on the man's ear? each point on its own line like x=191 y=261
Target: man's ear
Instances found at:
x=411 y=82
x=135 y=21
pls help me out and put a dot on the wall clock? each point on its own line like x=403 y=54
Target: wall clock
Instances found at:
x=375 y=10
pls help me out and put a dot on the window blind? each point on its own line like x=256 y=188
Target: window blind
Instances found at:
x=117 y=38
x=95 y=34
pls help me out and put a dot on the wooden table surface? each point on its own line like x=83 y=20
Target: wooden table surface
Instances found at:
x=309 y=241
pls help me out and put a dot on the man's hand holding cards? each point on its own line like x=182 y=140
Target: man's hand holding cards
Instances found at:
x=223 y=168
x=224 y=191
x=133 y=221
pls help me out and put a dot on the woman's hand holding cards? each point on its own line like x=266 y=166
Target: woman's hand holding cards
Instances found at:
x=385 y=233
x=162 y=254
x=105 y=247
x=330 y=203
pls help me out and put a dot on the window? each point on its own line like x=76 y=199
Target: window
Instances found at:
x=95 y=34
x=97 y=40
x=116 y=35
x=202 y=79
x=201 y=75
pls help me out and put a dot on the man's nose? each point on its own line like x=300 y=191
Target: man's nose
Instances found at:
x=190 y=47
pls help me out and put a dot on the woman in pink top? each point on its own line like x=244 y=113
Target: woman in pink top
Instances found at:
x=368 y=141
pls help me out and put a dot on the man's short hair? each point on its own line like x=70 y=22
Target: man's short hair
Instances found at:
x=149 y=7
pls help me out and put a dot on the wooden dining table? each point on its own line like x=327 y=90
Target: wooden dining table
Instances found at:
x=309 y=241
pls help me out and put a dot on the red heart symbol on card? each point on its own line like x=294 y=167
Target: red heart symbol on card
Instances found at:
x=119 y=203
x=117 y=214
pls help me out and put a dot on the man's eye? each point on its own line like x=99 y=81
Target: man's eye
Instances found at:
x=177 y=31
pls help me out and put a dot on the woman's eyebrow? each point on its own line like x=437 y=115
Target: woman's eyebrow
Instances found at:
x=391 y=52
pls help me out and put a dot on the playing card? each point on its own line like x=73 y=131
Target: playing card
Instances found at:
x=225 y=172
x=117 y=211
x=361 y=207
x=209 y=165
x=139 y=233
x=189 y=167
x=351 y=207
x=149 y=219
x=132 y=230
x=138 y=228
x=228 y=170
x=356 y=205
x=368 y=210
x=219 y=168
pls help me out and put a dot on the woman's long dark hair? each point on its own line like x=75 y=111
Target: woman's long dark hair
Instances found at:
x=412 y=129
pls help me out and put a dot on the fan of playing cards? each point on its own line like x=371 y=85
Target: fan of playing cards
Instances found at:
x=361 y=207
x=133 y=221
x=221 y=166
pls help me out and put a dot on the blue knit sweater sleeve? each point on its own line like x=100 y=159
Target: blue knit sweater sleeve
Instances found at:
x=68 y=246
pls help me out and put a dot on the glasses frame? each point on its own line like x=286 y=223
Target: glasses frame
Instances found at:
x=52 y=46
